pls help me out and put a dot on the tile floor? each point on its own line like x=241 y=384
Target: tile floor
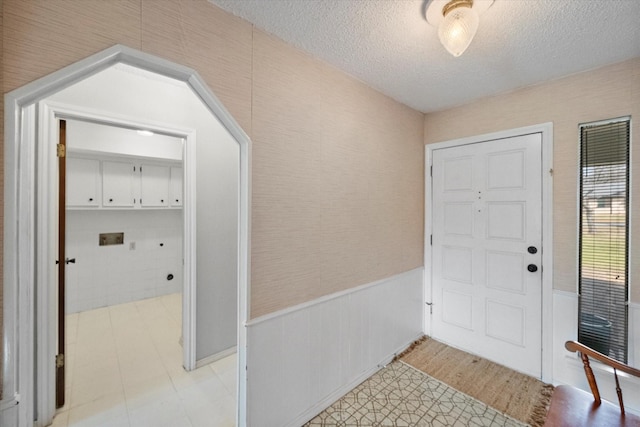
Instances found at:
x=124 y=370
x=401 y=396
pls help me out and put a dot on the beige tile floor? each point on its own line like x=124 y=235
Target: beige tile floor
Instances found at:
x=124 y=369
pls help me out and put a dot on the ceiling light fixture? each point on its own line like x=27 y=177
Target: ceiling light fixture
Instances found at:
x=457 y=21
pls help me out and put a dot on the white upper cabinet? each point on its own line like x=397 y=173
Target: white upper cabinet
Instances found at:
x=83 y=182
x=154 y=185
x=127 y=183
x=175 y=187
x=118 y=184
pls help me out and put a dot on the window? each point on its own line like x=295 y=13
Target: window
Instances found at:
x=604 y=237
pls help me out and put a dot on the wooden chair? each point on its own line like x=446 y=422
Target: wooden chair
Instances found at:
x=572 y=407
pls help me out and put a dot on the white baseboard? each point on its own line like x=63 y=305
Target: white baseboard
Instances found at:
x=215 y=357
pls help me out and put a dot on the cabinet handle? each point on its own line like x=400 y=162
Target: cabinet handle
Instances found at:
x=177 y=200
x=91 y=199
x=161 y=200
x=110 y=200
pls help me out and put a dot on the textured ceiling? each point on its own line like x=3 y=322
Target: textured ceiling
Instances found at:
x=389 y=45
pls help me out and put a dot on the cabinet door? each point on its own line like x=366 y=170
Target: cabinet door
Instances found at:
x=154 y=186
x=176 y=186
x=83 y=182
x=117 y=184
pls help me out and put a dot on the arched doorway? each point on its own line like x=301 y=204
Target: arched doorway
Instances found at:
x=28 y=229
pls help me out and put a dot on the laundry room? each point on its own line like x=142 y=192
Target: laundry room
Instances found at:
x=123 y=215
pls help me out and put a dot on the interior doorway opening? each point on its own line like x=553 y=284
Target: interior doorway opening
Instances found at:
x=30 y=165
x=121 y=235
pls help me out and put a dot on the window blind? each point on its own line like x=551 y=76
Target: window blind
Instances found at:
x=604 y=243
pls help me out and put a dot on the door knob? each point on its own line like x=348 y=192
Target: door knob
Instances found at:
x=532 y=268
x=532 y=249
x=70 y=261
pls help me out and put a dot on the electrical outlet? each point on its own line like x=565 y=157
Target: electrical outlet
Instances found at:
x=132 y=246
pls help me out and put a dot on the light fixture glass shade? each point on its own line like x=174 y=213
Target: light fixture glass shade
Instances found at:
x=457 y=29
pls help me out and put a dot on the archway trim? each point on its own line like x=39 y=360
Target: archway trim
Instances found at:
x=20 y=241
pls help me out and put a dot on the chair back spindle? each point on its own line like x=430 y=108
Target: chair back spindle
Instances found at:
x=572 y=407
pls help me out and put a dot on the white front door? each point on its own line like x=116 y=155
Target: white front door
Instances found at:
x=487 y=250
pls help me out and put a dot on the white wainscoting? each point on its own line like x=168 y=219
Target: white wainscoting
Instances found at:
x=568 y=368
x=300 y=360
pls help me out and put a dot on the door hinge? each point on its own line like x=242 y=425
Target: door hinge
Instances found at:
x=59 y=360
x=431 y=240
x=60 y=150
x=431 y=173
x=430 y=304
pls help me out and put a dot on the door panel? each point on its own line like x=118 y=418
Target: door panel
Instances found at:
x=486 y=212
x=83 y=182
x=511 y=331
x=118 y=184
x=175 y=184
x=457 y=309
x=505 y=272
x=154 y=185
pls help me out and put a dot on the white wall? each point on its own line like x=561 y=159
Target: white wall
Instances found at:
x=115 y=274
x=304 y=358
x=97 y=138
x=167 y=102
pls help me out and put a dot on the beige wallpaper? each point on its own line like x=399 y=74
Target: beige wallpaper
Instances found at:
x=337 y=167
x=38 y=40
x=605 y=93
x=337 y=180
x=214 y=43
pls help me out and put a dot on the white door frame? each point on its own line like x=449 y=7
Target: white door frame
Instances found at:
x=546 y=130
x=26 y=181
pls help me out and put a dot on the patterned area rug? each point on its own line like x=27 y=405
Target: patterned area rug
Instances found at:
x=520 y=396
x=400 y=395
